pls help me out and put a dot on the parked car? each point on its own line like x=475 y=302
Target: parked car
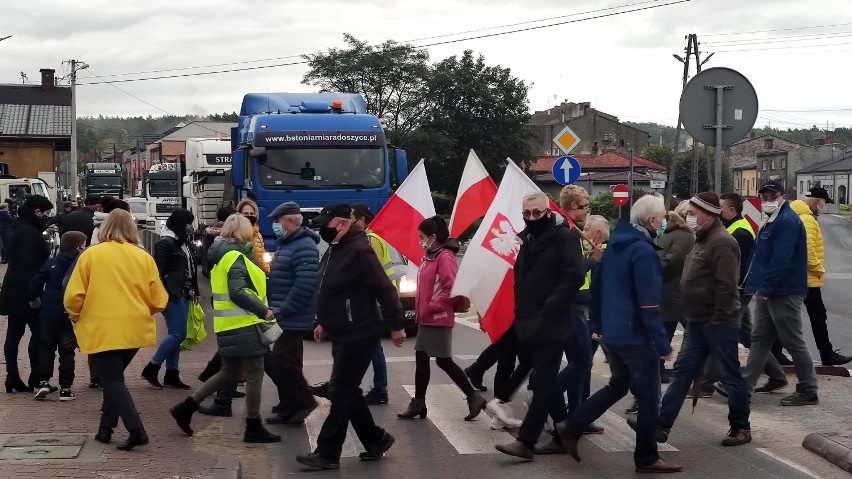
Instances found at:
x=139 y=210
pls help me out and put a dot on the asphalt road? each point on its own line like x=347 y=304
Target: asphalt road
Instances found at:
x=837 y=292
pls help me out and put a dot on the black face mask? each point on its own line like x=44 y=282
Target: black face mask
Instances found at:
x=328 y=234
x=538 y=226
x=252 y=220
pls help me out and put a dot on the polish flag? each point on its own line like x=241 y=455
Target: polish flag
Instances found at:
x=486 y=274
x=476 y=192
x=398 y=220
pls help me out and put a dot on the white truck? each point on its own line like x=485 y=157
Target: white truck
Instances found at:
x=162 y=193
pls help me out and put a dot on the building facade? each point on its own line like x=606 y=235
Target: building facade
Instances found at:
x=835 y=175
x=601 y=172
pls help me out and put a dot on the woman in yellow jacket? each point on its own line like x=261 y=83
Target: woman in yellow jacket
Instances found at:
x=112 y=310
x=248 y=208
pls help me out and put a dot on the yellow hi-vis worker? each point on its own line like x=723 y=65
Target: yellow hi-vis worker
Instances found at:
x=226 y=314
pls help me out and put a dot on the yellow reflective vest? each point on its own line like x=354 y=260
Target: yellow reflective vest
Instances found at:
x=588 y=282
x=741 y=223
x=382 y=252
x=226 y=314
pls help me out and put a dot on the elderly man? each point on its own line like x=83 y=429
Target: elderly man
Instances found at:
x=709 y=290
x=632 y=332
x=778 y=278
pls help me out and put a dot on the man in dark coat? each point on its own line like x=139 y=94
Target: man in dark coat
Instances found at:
x=28 y=251
x=82 y=220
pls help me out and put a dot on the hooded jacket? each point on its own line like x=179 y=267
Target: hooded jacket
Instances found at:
x=779 y=263
x=433 y=302
x=81 y=220
x=710 y=281
x=293 y=280
x=27 y=252
x=816 y=251
x=47 y=285
x=675 y=244
x=176 y=265
x=626 y=290
x=355 y=298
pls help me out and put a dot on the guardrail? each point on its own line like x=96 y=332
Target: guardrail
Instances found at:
x=149 y=239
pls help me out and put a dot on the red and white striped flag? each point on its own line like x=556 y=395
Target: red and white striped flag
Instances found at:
x=398 y=220
x=476 y=192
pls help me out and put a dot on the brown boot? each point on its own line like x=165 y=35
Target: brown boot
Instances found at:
x=737 y=437
x=660 y=466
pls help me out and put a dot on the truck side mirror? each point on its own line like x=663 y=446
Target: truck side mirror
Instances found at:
x=259 y=154
x=238 y=169
x=401 y=164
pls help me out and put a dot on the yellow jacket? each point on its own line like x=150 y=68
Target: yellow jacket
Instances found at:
x=816 y=252
x=111 y=297
x=259 y=249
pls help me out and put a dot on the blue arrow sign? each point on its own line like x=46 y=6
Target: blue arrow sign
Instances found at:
x=566 y=170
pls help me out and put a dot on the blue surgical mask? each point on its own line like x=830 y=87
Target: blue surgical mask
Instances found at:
x=662 y=227
x=278 y=230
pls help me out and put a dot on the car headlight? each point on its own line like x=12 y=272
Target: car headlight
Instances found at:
x=406 y=285
x=267 y=257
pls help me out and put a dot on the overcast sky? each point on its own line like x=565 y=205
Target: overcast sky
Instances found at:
x=622 y=64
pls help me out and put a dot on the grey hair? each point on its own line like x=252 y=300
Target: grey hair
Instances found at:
x=646 y=208
x=537 y=195
x=298 y=218
x=682 y=208
x=600 y=223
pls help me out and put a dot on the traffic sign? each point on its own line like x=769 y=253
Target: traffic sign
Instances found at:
x=620 y=195
x=566 y=140
x=566 y=170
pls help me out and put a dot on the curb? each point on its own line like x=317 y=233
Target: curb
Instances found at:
x=829 y=446
x=227 y=468
x=824 y=371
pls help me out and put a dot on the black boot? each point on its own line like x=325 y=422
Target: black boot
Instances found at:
x=172 y=380
x=183 y=414
x=255 y=432
x=417 y=407
x=150 y=374
x=212 y=368
x=104 y=435
x=216 y=409
x=14 y=384
x=475 y=404
x=137 y=437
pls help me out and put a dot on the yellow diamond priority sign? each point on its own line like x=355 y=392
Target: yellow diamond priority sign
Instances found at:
x=566 y=140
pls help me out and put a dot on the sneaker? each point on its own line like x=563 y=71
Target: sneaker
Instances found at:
x=44 y=388
x=633 y=409
x=94 y=383
x=378 y=450
x=737 y=437
x=375 y=397
x=835 y=359
x=498 y=425
x=319 y=390
x=497 y=408
x=315 y=461
x=800 y=399
x=771 y=386
x=66 y=395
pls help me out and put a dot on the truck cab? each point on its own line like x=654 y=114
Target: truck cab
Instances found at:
x=103 y=179
x=162 y=193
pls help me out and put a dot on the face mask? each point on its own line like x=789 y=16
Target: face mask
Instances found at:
x=769 y=207
x=278 y=230
x=692 y=222
x=425 y=245
x=537 y=226
x=252 y=220
x=662 y=227
x=328 y=234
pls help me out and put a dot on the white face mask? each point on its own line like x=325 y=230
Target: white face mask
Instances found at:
x=769 y=207
x=692 y=222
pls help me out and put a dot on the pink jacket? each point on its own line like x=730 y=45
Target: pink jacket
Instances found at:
x=433 y=303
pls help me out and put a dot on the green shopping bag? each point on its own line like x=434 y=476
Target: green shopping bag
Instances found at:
x=195 y=332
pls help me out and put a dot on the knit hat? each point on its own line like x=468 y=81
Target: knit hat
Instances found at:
x=36 y=202
x=288 y=208
x=707 y=201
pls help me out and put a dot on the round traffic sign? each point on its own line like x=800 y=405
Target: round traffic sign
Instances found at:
x=566 y=170
x=699 y=103
x=620 y=195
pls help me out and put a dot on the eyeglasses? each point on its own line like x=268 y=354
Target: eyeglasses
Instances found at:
x=770 y=196
x=535 y=214
x=583 y=207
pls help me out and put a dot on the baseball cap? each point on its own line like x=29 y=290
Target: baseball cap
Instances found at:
x=820 y=193
x=773 y=186
x=362 y=209
x=330 y=212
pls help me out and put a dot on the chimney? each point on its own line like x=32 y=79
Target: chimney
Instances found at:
x=47 y=81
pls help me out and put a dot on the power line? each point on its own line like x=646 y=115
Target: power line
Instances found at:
x=776 y=30
x=445 y=42
x=783 y=48
x=89 y=71
x=811 y=111
x=795 y=38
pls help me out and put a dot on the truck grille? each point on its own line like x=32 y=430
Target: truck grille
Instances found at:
x=165 y=208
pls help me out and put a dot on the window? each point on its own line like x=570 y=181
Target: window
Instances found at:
x=801 y=186
x=738 y=182
x=768 y=143
x=783 y=163
x=772 y=165
x=765 y=162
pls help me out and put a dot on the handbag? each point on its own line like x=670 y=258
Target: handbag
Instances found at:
x=269 y=332
x=195 y=332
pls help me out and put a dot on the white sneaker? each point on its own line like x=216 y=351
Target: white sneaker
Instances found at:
x=496 y=408
x=497 y=424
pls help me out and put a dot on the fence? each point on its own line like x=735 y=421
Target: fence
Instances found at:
x=149 y=239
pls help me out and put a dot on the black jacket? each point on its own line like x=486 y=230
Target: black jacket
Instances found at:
x=81 y=220
x=28 y=251
x=549 y=272
x=355 y=296
x=47 y=285
x=172 y=264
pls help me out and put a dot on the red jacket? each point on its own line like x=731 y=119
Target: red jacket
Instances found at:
x=433 y=302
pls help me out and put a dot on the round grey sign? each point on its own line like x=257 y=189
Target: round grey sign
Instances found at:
x=698 y=104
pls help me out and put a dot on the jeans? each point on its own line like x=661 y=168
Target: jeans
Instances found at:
x=579 y=353
x=15 y=328
x=169 y=350
x=635 y=368
x=284 y=366
x=57 y=334
x=380 y=370
x=547 y=397
x=700 y=341
x=779 y=317
x=351 y=361
x=230 y=374
x=118 y=403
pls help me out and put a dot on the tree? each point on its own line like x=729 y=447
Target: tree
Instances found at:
x=391 y=77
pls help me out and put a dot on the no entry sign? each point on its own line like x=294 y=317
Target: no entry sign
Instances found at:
x=620 y=195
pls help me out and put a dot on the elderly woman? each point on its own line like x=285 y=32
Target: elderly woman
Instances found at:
x=112 y=310
x=248 y=208
x=240 y=306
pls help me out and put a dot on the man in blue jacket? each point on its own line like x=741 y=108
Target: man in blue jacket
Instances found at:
x=625 y=312
x=292 y=283
x=778 y=278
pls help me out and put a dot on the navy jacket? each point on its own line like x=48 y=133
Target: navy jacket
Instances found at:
x=47 y=285
x=626 y=291
x=293 y=280
x=779 y=263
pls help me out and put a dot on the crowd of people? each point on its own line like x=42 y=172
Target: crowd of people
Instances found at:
x=579 y=287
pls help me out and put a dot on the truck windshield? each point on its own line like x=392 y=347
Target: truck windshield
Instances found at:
x=323 y=168
x=162 y=187
x=137 y=207
x=105 y=181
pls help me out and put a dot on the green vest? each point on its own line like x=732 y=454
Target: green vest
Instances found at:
x=385 y=258
x=588 y=282
x=226 y=314
x=741 y=223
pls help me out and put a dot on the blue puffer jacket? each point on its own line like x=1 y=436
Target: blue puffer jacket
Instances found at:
x=779 y=262
x=626 y=291
x=47 y=285
x=293 y=280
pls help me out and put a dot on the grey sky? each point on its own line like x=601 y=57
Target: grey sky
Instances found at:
x=623 y=64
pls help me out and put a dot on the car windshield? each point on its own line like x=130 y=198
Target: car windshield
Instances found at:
x=137 y=207
x=323 y=168
x=104 y=181
x=163 y=187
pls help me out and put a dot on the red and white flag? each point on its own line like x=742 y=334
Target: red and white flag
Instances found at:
x=398 y=220
x=476 y=192
x=486 y=275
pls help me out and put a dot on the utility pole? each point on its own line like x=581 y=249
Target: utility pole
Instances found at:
x=673 y=168
x=76 y=65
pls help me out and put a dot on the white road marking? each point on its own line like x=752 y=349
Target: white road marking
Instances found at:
x=389 y=359
x=447 y=408
x=794 y=465
x=617 y=436
x=313 y=425
x=466 y=322
x=838 y=275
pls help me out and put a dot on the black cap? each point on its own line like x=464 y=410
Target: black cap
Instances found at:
x=363 y=210
x=92 y=200
x=773 y=186
x=37 y=202
x=288 y=208
x=333 y=211
x=819 y=193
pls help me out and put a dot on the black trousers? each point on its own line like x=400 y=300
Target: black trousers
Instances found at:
x=118 y=403
x=284 y=366
x=819 y=323
x=57 y=334
x=351 y=361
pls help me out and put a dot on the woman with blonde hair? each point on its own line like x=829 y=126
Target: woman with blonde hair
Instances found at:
x=112 y=310
x=248 y=208
x=239 y=307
